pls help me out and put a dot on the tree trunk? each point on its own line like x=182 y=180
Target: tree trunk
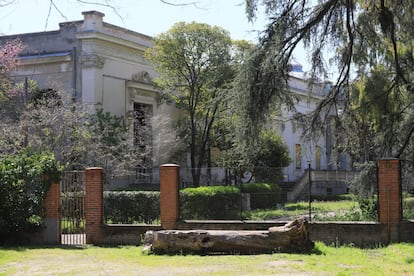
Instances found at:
x=292 y=237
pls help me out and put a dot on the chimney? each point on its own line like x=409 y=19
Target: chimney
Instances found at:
x=92 y=20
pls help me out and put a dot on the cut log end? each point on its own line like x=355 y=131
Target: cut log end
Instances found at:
x=292 y=237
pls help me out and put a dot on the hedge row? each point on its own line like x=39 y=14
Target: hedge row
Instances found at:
x=131 y=207
x=262 y=195
x=211 y=202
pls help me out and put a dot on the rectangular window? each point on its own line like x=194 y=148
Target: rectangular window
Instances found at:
x=298 y=154
x=318 y=157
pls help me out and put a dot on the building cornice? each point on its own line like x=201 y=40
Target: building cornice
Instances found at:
x=45 y=58
x=138 y=45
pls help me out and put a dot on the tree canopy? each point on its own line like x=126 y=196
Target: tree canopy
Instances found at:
x=193 y=60
x=370 y=41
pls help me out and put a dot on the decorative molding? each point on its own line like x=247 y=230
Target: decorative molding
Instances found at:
x=113 y=50
x=92 y=60
x=142 y=77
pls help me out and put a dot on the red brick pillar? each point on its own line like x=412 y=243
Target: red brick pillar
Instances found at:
x=389 y=196
x=169 y=195
x=51 y=234
x=94 y=205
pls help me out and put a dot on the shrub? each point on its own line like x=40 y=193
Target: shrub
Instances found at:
x=25 y=178
x=334 y=197
x=369 y=207
x=408 y=208
x=210 y=202
x=262 y=195
x=131 y=207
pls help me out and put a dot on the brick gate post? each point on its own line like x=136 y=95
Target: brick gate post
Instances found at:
x=94 y=204
x=169 y=195
x=51 y=233
x=389 y=196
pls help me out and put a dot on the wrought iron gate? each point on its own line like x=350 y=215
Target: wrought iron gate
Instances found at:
x=72 y=208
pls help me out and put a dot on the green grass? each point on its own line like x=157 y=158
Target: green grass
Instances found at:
x=319 y=208
x=337 y=210
x=396 y=259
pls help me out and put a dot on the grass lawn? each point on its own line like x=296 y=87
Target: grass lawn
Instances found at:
x=396 y=259
x=320 y=210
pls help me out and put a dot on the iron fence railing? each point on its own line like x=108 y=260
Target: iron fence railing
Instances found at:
x=249 y=203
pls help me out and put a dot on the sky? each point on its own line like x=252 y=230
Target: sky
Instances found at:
x=149 y=17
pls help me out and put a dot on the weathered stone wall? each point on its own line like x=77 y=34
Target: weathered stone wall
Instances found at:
x=121 y=234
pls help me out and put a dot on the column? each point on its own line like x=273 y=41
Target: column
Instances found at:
x=389 y=196
x=51 y=234
x=169 y=195
x=94 y=205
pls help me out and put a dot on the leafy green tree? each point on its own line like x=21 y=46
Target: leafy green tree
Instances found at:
x=372 y=118
x=193 y=60
x=272 y=156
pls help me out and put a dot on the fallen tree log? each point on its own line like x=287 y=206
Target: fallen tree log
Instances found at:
x=292 y=237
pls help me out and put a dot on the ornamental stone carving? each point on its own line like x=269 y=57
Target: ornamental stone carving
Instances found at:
x=92 y=60
x=143 y=77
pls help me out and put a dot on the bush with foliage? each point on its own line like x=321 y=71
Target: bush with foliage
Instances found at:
x=25 y=178
x=365 y=183
x=210 y=202
x=334 y=197
x=262 y=195
x=369 y=208
x=408 y=207
x=272 y=156
x=131 y=207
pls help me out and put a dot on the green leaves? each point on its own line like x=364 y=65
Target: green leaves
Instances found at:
x=25 y=178
x=212 y=202
x=131 y=207
x=194 y=62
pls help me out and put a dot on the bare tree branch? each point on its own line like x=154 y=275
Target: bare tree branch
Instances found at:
x=53 y=5
x=4 y=3
x=194 y=3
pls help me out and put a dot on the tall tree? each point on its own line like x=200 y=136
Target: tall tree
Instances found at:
x=355 y=36
x=193 y=60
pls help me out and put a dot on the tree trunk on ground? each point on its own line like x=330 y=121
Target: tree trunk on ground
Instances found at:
x=292 y=237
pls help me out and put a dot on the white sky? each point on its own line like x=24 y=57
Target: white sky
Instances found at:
x=149 y=17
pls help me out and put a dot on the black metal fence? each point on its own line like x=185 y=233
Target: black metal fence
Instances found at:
x=72 y=208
